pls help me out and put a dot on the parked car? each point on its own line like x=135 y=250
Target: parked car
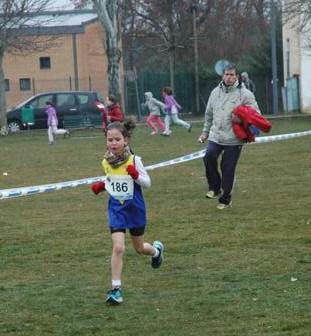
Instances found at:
x=86 y=104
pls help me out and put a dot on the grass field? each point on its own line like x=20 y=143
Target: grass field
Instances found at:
x=245 y=271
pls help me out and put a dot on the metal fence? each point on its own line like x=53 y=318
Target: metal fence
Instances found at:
x=154 y=82
x=135 y=86
x=185 y=94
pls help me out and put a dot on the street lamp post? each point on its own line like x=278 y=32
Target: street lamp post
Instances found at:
x=274 y=59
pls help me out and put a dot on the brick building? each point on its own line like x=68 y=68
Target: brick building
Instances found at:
x=75 y=59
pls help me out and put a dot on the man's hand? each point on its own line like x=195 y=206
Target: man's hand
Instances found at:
x=202 y=138
x=236 y=119
x=132 y=171
x=98 y=187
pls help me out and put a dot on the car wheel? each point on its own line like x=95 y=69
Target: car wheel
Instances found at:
x=14 y=126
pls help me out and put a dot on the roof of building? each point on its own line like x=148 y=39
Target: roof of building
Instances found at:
x=59 y=22
x=64 y=18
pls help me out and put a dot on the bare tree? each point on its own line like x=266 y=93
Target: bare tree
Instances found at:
x=294 y=8
x=16 y=18
x=297 y=15
x=108 y=14
x=163 y=31
x=166 y=24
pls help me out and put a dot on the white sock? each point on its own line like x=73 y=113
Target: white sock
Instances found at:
x=156 y=253
x=116 y=283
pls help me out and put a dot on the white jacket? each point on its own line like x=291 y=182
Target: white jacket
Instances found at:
x=218 y=114
x=153 y=104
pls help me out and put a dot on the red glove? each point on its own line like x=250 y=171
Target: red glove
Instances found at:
x=98 y=187
x=132 y=171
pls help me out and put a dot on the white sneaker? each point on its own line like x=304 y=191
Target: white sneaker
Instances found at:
x=153 y=133
x=222 y=206
x=212 y=194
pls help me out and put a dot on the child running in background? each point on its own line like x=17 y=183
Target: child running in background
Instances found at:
x=52 y=123
x=114 y=112
x=125 y=177
x=154 y=106
x=172 y=107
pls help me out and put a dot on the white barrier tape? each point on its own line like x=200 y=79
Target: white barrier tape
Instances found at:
x=281 y=137
x=25 y=191
x=181 y=159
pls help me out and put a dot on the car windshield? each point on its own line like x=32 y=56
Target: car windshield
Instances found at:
x=23 y=103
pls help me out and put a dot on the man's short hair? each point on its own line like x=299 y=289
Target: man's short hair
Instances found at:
x=229 y=67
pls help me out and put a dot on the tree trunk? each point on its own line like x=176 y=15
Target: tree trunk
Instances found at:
x=172 y=69
x=3 y=121
x=114 y=57
x=107 y=14
x=196 y=61
x=172 y=45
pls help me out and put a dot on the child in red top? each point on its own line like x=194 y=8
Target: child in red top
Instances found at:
x=114 y=109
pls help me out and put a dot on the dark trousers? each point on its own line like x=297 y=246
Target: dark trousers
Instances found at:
x=229 y=160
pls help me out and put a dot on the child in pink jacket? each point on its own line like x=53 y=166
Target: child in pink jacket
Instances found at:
x=52 y=123
x=172 y=107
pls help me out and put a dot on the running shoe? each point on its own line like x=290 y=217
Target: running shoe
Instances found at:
x=115 y=296
x=222 y=206
x=157 y=261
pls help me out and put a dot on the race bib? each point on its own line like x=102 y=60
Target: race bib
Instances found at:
x=120 y=187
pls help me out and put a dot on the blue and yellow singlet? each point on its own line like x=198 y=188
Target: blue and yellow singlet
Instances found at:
x=125 y=210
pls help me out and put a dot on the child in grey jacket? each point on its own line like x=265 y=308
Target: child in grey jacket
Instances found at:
x=154 y=106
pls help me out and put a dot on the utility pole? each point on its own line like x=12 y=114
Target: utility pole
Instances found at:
x=274 y=59
x=196 y=57
x=172 y=44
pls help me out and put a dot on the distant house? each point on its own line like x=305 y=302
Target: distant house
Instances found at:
x=297 y=67
x=76 y=59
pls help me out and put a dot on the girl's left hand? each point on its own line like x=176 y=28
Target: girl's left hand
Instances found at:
x=132 y=171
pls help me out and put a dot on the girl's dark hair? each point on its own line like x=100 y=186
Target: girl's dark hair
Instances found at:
x=49 y=103
x=125 y=127
x=168 y=91
x=113 y=98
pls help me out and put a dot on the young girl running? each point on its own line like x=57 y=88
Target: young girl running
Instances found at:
x=172 y=107
x=154 y=107
x=52 y=123
x=125 y=175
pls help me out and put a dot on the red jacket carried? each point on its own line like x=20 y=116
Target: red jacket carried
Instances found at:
x=248 y=117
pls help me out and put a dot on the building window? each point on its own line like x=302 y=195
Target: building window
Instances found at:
x=45 y=63
x=24 y=84
x=7 y=84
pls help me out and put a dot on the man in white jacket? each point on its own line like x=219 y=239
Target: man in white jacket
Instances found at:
x=218 y=130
